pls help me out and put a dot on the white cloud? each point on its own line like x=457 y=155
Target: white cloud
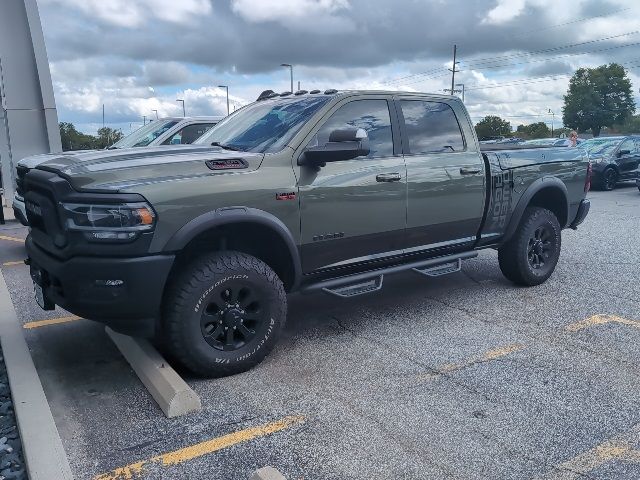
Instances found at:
x=128 y=13
x=504 y=11
x=276 y=10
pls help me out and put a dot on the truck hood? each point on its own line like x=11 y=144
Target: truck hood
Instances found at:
x=115 y=170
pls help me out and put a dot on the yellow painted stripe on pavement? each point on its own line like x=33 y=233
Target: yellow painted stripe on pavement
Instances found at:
x=488 y=356
x=10 y=264
x=12 y=239
x=600 y=320
x=50 y=321
x=134 y=470
x=620 y=448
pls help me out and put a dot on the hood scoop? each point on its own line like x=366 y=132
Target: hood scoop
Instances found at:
x=227 y=164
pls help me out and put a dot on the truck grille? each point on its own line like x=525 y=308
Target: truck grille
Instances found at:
x=40 y=198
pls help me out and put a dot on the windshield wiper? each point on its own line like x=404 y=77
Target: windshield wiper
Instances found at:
x=226 y=147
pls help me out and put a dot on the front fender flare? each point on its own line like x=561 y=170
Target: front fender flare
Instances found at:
x=231 y=215
x=525 y=199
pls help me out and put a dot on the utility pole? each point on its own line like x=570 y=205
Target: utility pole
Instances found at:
x=553 y=117
x=290 y=71
x=226 y=87
x=453 y=70
x=144 y=120
x=298 y=85
x=103 y=115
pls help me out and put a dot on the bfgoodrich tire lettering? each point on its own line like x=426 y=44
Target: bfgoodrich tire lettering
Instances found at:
x=531 y=256
x=224 y=313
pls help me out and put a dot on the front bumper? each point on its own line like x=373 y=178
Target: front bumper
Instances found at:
x=19 y=210
x=583 y=211
x=124 y=293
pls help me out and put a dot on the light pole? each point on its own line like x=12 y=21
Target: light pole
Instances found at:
x=290 y=71
x=226 y=87
x=184 y=114
x=553 y=117
x=144 y=120
x=461 y=85
x=154 y=110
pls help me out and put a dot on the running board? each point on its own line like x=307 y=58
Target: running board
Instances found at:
x=438 y=270
x=360 y=288
x=371 y=281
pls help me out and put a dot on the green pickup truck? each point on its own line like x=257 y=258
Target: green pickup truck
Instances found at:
x=313 y=191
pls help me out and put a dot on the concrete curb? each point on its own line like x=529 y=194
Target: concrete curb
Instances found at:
x=44 y=454
x=167 y=388
x=267 y=473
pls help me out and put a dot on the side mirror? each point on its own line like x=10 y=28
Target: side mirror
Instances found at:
x=623 y=152
x=343 y=144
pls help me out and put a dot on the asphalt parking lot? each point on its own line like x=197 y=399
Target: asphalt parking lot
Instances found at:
x=461 y=377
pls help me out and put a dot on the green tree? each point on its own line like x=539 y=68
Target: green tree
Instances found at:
x=72 y=139
x=107 y=137
x=630 y=125
x=534 y=130
x=492 y=126
x=598 y=97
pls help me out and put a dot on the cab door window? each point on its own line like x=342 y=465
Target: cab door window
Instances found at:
x=370 y=115
x=188 y=134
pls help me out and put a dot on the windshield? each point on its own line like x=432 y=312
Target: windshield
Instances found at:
x=145 y=135
x=601 y=147
x=265 y=126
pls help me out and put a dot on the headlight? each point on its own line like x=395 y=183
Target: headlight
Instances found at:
x=109 y=222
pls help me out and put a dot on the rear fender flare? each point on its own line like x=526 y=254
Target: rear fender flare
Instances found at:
x=525 y=200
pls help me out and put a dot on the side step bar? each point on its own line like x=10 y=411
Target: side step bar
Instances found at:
x=371 y=281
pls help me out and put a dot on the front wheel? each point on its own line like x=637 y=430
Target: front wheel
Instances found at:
x=224 y=314
x=530 y=257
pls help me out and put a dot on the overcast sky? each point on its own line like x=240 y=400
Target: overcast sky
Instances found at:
x=138 y=55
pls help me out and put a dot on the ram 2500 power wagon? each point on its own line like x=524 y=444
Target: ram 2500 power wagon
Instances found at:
x=321 y=191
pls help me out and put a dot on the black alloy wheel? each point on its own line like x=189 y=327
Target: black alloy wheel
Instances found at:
x=540 y=247
x=232 y=317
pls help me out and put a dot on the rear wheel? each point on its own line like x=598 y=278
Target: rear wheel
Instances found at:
x=224 y=314
x=609 y=179
x=530 y=257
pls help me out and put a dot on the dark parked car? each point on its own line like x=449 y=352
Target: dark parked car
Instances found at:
x=614 y=159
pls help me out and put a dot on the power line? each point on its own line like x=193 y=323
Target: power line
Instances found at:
x=476 y=64
x=482 y=61
x=572 y=22
x=558 y=56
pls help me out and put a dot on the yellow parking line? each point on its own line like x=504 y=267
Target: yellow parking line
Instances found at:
x=489 y=355
x=10 y=264
x=12 y=239
x=618 y=448
x=50 y=321
x=600 y=320
x=188 y=453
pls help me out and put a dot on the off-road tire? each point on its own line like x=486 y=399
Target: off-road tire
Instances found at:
x=519 y=256
x=199 y=293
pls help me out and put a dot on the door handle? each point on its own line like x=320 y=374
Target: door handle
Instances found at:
x=388 y=177
x=469 y=170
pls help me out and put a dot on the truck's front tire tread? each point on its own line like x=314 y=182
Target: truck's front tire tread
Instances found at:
x=181 y=322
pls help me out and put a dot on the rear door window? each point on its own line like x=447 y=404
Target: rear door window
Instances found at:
x=431 y=127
